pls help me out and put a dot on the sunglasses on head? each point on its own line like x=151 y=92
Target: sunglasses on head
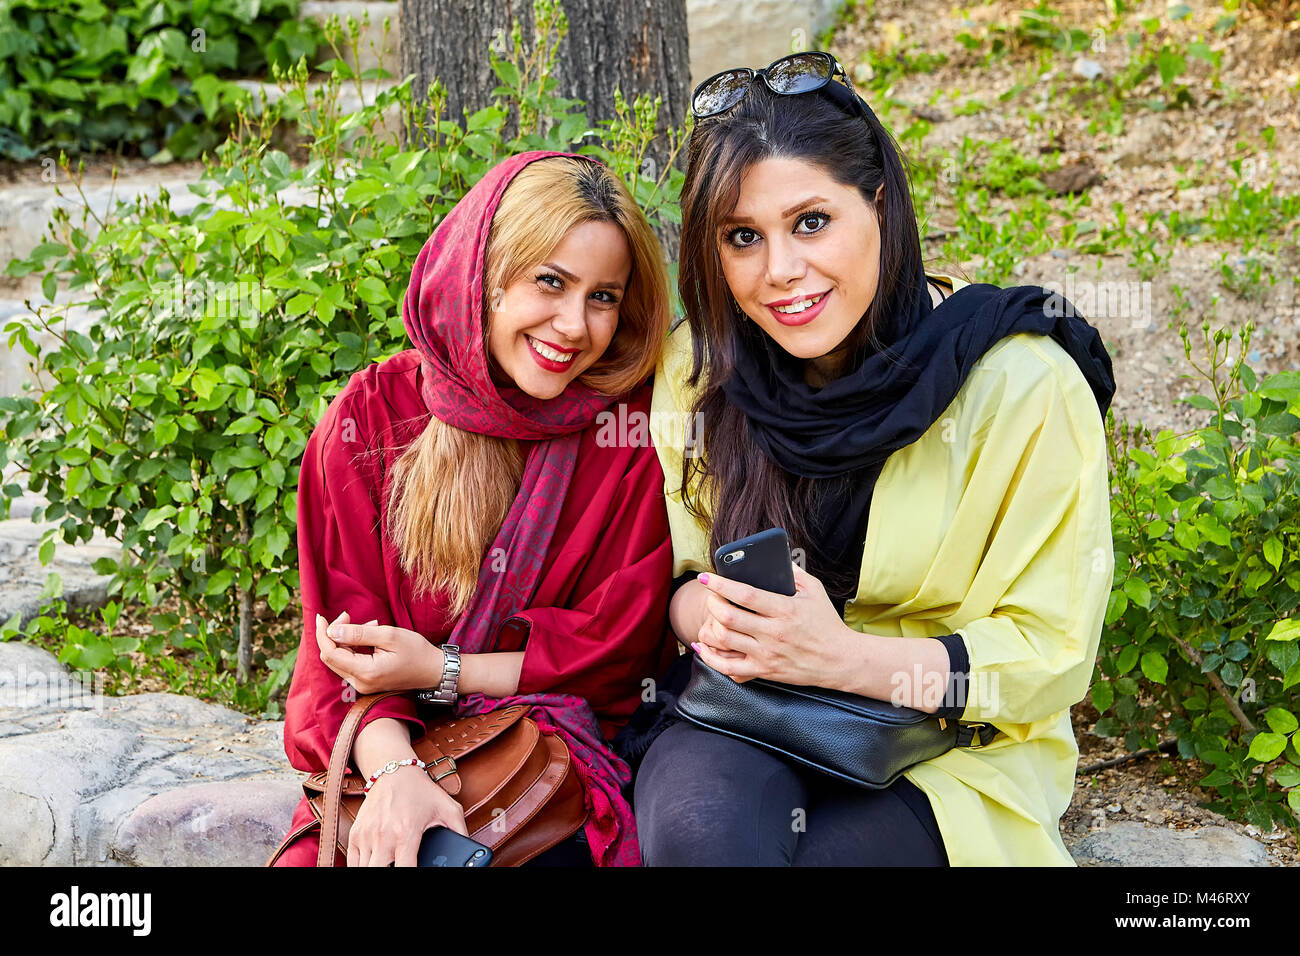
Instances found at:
x=788 y=76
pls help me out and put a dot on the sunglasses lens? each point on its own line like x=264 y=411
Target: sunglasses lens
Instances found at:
x=721 y=92
x=799 y=73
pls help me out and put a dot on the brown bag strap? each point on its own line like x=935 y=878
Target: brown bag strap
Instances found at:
x=293 y=835
x=329 y=830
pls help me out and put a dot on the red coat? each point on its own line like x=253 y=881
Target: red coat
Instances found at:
x=598 y=619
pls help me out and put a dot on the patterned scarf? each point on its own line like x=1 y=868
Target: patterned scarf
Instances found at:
x=443 y=314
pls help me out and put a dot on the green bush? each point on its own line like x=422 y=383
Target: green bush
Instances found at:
x=176 y=425
x=1199 y=639
x=146 y=75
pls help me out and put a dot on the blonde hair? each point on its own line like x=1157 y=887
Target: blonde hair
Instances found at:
x=451 y=489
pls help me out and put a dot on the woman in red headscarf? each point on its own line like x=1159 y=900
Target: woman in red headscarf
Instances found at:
x=470 y=492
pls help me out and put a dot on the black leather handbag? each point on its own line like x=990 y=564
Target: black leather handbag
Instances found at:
x=855 y=739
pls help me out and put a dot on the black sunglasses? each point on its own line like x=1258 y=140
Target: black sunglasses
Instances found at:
x=788 y=76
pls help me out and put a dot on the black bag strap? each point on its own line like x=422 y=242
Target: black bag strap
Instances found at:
x=975 y=734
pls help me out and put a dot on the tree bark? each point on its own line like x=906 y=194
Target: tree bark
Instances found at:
x=639 y=46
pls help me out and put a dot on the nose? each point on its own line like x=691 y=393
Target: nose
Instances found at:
x=570 y=321
x=785 y=265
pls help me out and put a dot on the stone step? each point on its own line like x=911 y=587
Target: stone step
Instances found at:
x=371 y=42
x=26 y=208
x=167 y=780
x=23 y=576
x=144 y=780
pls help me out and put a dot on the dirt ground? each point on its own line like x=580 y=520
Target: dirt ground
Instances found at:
x=1259 y=70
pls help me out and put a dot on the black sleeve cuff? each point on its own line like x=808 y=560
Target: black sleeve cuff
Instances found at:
x=954 y=699
x=680 y=580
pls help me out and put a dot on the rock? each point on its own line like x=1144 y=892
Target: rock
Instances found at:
x=1074 y=178
x=1088 y=69
x=211 y=824
x=120 y=778
x=1139 y=844
x=929 y=114
x=23 y=575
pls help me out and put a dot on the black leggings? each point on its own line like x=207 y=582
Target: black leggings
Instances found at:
x=705 y=799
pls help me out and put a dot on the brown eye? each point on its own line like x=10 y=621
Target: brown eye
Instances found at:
x=742 y=237
x=819 y=220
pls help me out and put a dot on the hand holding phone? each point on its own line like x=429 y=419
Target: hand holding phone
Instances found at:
x=761 y=560
x=443 y=847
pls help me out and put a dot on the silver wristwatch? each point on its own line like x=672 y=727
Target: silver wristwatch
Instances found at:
x=445 y=692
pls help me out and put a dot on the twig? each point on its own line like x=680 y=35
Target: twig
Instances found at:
x=1166 y=747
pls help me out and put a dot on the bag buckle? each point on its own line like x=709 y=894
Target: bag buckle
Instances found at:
x=446 y=773
x=976 y=737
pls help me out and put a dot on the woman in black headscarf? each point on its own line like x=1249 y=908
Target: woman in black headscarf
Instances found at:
x=829 y=383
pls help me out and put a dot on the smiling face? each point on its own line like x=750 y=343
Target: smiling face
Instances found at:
x=557 y=318
x=801 y=254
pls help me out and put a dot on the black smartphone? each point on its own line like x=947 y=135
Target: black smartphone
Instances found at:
x=441 y=846
x=762 y=561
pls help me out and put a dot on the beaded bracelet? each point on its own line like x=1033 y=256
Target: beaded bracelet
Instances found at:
x=391 y=767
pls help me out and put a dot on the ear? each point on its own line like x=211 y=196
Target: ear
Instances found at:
x=880 y=194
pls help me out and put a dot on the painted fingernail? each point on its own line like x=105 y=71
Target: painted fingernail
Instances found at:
x=319 y=620
x=695 y=646
x=704 y=579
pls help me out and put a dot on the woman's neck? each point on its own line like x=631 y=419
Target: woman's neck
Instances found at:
x=821 y=371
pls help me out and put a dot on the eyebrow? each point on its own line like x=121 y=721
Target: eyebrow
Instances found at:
x=566 y=274
x=785 y=213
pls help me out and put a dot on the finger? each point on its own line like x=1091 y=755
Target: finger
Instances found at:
x=360 y=635
x=738 y=669
x=742 y=625
x=706 y=635
x=408 y=852
x=383 y=855
x=755 y=599
x=730 y=643
x=354 y=850
x=803 y=581
x=711 y=657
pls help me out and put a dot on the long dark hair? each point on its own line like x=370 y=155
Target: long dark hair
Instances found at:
x=739 y=486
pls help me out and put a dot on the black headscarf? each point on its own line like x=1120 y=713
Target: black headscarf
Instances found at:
x=887 y=399
x=891 y=396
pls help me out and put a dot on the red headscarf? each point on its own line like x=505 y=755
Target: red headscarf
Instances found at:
x=443 y=313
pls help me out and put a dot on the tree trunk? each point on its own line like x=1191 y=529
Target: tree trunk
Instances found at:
x=639 y=46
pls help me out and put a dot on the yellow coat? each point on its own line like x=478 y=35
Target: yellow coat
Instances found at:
x=995 y=525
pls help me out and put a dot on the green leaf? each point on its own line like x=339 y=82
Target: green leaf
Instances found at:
x=1107 y=727
x=1281 y=720
x=1287 y=775
x=362 y=192
x=372 y=291
x=1116 y=606
x=1292 y=677
x=1265 y=747
x=1127 y=658
x=1139 y=592
x=1286 y=629
x=1273 y=551
x=1103 y=695
x=246 y=425
x=241 y=486
x=1216 y=778
x=1155 y=667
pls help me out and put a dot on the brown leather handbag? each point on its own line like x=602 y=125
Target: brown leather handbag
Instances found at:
x=515 y=784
